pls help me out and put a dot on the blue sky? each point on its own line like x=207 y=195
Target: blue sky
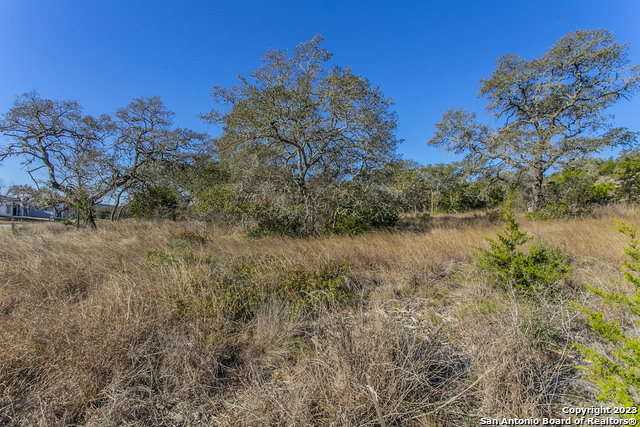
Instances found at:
x=426 y=55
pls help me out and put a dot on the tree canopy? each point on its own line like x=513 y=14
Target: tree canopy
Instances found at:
x=309 y=147
x=298 y=126
x=80 y=159
x=551 y=110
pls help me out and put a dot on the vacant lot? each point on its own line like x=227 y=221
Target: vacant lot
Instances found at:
x=143 y=323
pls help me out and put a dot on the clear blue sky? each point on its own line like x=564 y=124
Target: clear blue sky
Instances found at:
x=426 y=55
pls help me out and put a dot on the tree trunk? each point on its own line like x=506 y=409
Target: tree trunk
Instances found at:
x=302 y=198
x=121 y=209
x=77 y=218
x=90 y=219
x=115 y=208
x=536 y=197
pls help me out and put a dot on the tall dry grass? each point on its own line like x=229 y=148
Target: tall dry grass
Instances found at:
x=181 y=324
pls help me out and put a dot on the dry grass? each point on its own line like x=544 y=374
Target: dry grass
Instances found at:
x=133 y=325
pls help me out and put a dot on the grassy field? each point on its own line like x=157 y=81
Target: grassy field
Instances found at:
x=143 y=323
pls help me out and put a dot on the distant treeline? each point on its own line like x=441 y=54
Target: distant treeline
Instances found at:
x=402 y=187
x=308 y=148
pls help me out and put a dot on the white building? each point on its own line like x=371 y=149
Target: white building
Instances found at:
x=13 y=208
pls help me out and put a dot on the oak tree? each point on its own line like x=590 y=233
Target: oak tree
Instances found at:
x=551 y=110
x=296 y=127
x=80 y=159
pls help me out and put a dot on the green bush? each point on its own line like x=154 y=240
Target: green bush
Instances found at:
x=304 y=289
x=161 y=201
x=617 y=374
x=239 y=286
x=277 y=221
x=574 y=191
x=357 y=222
x=554 y=210
x=536 y=269
x=65 y=221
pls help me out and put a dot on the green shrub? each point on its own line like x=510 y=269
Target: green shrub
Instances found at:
x=618 y=374
x=238 y=287
x=554 y=210
x=357 y=222
x=304 y=289
x=158 y=259
x=536 y=269
x=276 y=221
x=158 y=201
x=65 y=221
x=178 y=244
x=192 y=237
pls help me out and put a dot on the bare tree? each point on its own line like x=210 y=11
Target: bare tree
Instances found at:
x=81 y=159
x=60 y=147
x=146 y=141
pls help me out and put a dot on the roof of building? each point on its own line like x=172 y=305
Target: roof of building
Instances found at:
x=6 y=199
